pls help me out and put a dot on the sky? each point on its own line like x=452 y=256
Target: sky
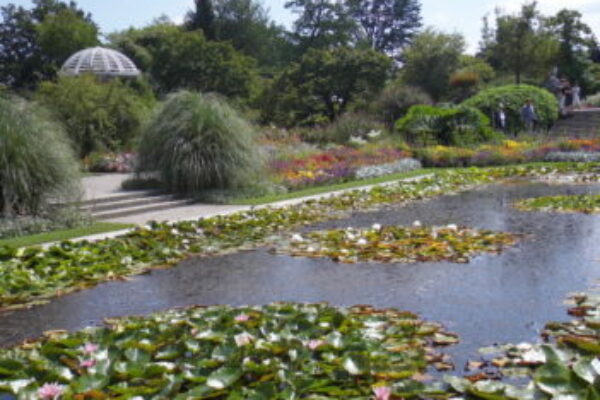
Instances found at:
x=462 y=16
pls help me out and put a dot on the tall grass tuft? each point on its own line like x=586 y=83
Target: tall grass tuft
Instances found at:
x=197 y=142
x=37 y=164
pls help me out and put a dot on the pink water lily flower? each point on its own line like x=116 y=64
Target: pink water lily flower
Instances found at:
x=315 y=344
x=242 y=318
x=382 y=392
x=90 y=348
x=50 y=391
x=87 y=363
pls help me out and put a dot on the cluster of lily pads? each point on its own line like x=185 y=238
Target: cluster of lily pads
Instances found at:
x=566 y=366
x=279 y=351
x=398 y=244
x=585 y=203
x=32 y=275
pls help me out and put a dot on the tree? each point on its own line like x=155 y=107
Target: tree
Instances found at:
x=202 y=18
x=62 y=34
x=386 y=25
x=431 y=59
x=322 y=84
x=97 y=115
x=576 y=43
x=521 y=43
x=246 y=25
x=24 y=60
x=178 y=59
x=322 y=23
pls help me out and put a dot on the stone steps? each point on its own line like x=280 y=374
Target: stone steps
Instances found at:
x=130 y=204
x=580 y=123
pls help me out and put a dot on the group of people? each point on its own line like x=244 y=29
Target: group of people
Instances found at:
x=528 y=116
x=568 y=94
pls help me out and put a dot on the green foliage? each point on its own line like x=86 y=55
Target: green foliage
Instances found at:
x=431 y=59
x=177 y=59
x=98 y=115
x=575 y=40
x=513 y=97
x=521 y=43
x=593 y=100
x=62 y=34
x=277 y=351
x=387 y=26
x=395 y=100
x=398 y=244
x=246 y=25
x=197 y=142
x=585 y=203
x=349 y=125
x=322 y=24
x=453 y=126
x=36 y=163
x=35 y=42
x=322 y=85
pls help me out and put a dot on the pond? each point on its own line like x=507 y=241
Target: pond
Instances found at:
x=493 y=299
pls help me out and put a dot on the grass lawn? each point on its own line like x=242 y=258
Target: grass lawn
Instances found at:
x=57 y=236
x=311 y=191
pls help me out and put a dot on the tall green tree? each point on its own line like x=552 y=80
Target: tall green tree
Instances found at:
x=202 y=18
x=246 y=25
x=322 y=84
x=179 y=59
x=521 y=44
x=322 y=23
x=34 y=42
x=576 y=42
x=431 y=59
x=386 y=25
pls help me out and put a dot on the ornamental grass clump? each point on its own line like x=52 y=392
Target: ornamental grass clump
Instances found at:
x=197 y=142
x=36 y=161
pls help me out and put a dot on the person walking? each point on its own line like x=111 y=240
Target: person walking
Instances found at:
x=529 y=116
x=500 y=118
x=576 y=89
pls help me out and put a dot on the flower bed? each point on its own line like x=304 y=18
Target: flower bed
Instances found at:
x=29 y=276
x=110 y=162
x=389 y=244
x=337 y=165
x=280 y=351
x=588 y=204
x=509 y=152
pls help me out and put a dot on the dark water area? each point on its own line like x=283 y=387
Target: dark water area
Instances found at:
x=503 y=298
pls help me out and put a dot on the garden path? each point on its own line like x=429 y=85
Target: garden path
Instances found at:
x=109 y=185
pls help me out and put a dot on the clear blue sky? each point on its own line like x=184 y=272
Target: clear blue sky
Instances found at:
x=463 y=16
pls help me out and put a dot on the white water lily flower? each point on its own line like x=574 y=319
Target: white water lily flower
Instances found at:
x=297 y=238
x=243 y=339
x=376 y=227
x=417 y=224
x=311 y=249
x=452 y=227
x=174 y=231
x=350 y=236
x=362 y=242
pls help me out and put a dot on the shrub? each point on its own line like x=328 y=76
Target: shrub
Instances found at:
x=594 y=100
x=395 y=100
x=442 y=156
x=197 y=142
x=451 y=126
x=36 y=162
x=513 y=97
x=99 y=116
x=353 y=125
